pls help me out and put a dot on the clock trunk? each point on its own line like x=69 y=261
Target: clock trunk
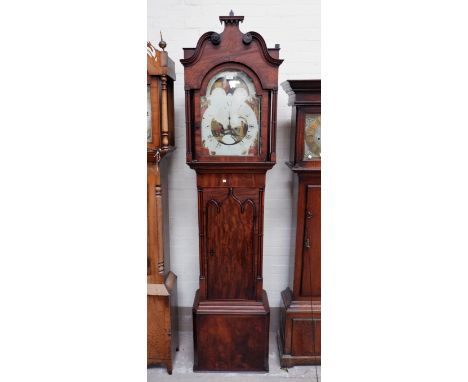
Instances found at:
x=230 y=228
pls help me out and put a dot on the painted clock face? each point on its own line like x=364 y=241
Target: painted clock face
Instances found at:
x=149 y=130
x=230 y=113
x=312 y=139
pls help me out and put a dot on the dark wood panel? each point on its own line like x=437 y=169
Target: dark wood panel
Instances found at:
x=299 y=337
x=231 y=180
x=317 y=337
x=231 y=342
x=231 y=224
x=302 y=337
x=310 y=278
x=231 y=335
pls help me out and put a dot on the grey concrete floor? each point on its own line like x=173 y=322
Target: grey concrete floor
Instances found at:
x=184 y=364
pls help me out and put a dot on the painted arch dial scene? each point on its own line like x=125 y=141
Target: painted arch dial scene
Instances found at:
x=230 y=113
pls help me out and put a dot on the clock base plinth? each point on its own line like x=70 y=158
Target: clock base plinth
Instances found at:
x=231 y=335
x=299 y=334
x=162 y=329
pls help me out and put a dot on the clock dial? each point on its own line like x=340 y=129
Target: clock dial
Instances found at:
x=230 y=115
x=149 y=130
x=312 y=136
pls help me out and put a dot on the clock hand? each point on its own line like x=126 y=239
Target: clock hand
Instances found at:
x=229 y=121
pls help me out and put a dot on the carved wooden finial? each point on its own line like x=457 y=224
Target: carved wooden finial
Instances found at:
x=162 y=43
x=231 y=19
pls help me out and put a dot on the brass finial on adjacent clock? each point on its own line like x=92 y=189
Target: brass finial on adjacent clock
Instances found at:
x=162 y=43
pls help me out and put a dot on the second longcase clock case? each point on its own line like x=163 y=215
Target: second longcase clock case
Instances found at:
x=299 y=336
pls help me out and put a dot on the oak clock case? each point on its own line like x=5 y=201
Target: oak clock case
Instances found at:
x=231 y=81
x=299 y=335
x=162 y=333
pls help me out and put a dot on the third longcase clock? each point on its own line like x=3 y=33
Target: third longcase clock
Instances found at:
x=231 y=83
x=300 y=320
x=162 y=335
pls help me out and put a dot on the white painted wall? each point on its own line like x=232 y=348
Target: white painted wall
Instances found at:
x=295 y=25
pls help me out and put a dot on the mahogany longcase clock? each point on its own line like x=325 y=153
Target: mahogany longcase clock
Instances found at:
x=162 y=332
x=231 y=82
x=300 y=317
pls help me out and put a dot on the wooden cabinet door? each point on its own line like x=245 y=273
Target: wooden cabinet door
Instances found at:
x=231 y=226
x=305 y=337
x=310 y=277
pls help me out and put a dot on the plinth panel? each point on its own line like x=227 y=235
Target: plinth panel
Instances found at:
x=162 y=326
x=299 y=335
x=231 y=337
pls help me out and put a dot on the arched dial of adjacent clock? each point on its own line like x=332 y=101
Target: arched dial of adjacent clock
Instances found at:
x=230 y=115
x=312 y=136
